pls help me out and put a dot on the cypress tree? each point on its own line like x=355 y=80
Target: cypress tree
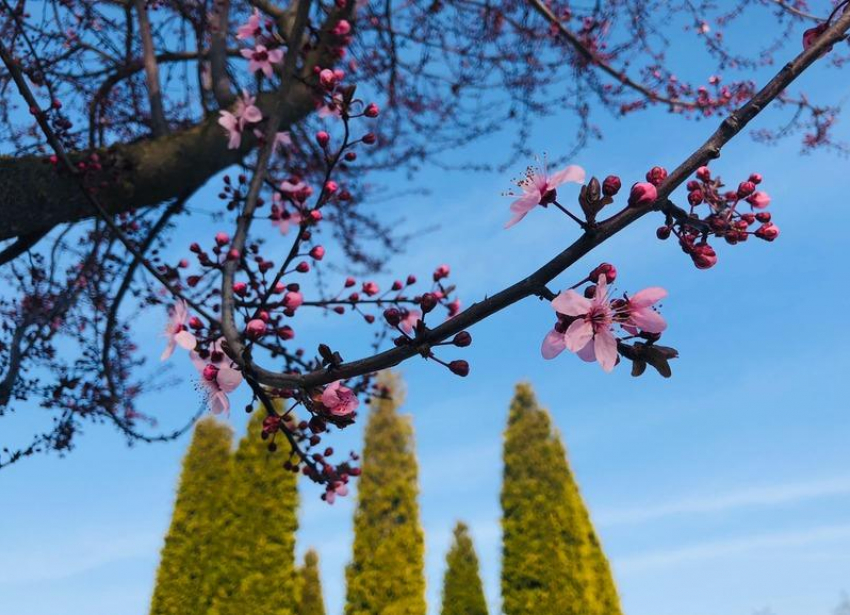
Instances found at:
x=184 y=578
x=311 y=601
x=386 y=575
x=552 y=562
x=256 y=568
x=463 y=593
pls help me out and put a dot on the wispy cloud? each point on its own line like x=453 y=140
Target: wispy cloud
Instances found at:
x=40 y=561
x=771 y=495
x=671 y=557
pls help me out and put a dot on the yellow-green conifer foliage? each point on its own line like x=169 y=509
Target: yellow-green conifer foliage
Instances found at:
x=311 y=601
x=552 y=562
x=256 y=571
x=463 y=593
x=184 y=580
x=386 y=575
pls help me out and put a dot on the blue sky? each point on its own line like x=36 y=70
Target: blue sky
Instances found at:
x=723 y=490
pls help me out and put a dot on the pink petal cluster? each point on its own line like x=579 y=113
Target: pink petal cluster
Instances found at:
x=339 y=488
x=245 y=112
x=218 y=377
x=261 y=59
x=250 y=29
x=539 y=188
x=339 y=399
x=590 y=334
x=408 y=323
x=176 y=331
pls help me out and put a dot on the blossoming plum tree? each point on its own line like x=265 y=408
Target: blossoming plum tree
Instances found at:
x=116 y=113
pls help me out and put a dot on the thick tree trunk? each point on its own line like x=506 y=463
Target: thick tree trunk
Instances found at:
x=35 y=196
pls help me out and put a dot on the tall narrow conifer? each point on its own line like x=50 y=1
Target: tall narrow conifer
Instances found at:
x=184 y=580
x=463 y=593
x=552 y=562
x=386 y=575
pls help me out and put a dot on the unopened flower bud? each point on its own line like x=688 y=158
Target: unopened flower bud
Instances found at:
x=240 y=288
x=371 y=110
x=441 y=272
x=704 y=256
x=606 y=269
x=210 y=372
x=656 y=175
x=428 y=302
x=255 y=328
x=704 y=174
x=462 y=339
x=221 y=239
x=302 y=267
x=663 y=232
x=322 y=138
x=392 y=316
x=459 y=367
x=318 y=252
x=611 y=185
x=768 y=231
x=327 y=79
x=642 y=194
x=745 y=189
x=695 y=197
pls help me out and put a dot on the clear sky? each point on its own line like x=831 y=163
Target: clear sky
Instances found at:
x=721 y=491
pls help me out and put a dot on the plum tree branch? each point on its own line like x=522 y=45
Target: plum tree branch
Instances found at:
x=534 y=284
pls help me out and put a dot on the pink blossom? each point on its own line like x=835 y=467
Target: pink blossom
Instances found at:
x=339 y=488
x=218 y=377
x=640 y=313
x=408 y=323
x=251 y=29
x=245 y=112
x=759 y=200
x=339 y=400
x=260 y=58
x=590 y=333
x=539 y=188
x=176 y=332
x=230 y=123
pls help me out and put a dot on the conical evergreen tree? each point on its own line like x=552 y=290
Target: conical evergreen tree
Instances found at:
x=463 y=593
x=311 y=601
x=184 y=579
x=386 y=575
x=552 y=562
x=256 y=568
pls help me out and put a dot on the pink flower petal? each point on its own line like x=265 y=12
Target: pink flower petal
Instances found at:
x=572 y=173
x=647 y=296
x=169 y=349
x=228 y=379
x=648 y=320
x=186 y=340
x=588 y=353
x=553 y=344
x=219 y=403
x=605 y=346
x=571 y=303
x=578 y=335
